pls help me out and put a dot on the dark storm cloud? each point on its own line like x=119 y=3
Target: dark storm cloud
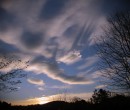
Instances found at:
x=6 y=48
x=6 y=19
x=32 y=40
x=52 y=8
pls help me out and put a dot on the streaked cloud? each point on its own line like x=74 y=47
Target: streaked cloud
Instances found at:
x=52 y=70
x=61 y=87
x=70 y=58
x=100 y=86
x=56 y=36
x=89 y=61
x=54 y=31
x=96 y=74
x=35 y=81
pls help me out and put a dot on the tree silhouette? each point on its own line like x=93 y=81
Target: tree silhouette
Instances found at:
x=99 y=96
x=11 y=69
x=114 y=51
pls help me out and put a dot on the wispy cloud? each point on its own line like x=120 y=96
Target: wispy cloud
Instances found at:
x=96 y=74
x=70 y=58
x=41 y=88
x=7 y=48
x=89 y=61
x=52 y=70
x=35 y=81
x=100 y=86
x=61 y=87
x=53 y=30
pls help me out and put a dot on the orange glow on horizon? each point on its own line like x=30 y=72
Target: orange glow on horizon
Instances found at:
x=32 y=101
x=46 y=99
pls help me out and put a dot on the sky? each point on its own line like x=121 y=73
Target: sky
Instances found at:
x=58 y=38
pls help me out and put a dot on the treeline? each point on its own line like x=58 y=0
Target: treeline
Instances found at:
x=100 y=100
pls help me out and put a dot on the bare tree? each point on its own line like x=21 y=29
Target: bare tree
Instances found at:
x=76 y=99
x=61 y=96
x=100 y=96
x=11 y=69
x=114 y=51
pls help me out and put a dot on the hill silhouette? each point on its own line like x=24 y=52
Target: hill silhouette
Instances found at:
x=99 y=101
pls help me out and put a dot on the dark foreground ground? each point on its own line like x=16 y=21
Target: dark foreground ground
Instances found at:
x=113 y=103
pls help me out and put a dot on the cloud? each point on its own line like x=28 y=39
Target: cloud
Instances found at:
x=96 y=35
x=52 y=70
x=89 y=61
x=41 y=88
x=35 y=81
x=86 y=73
x=107 y=7
x=100 y=86
x=54 y=40
x=96 y=74
x=32 y=40
x=71 y=31
x=61 y=87
x=70 y=58
x=30 y=101
x=52 y=9
x=11 y=57
x=6 y=20
x=53 y=29
x=28 y=23
x=82 y=37
x=6 y=48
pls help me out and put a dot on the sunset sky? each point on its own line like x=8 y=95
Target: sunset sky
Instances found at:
x=57 y=37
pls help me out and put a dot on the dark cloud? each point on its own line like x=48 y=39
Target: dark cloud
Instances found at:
x=6 y=19
x=52 y=8
x=6 y=48
x=70 y=31
x=32 y=40
x=4 y=1
x=38 y=59
x=53 y=41
x=42 y=60
x=110 y=6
